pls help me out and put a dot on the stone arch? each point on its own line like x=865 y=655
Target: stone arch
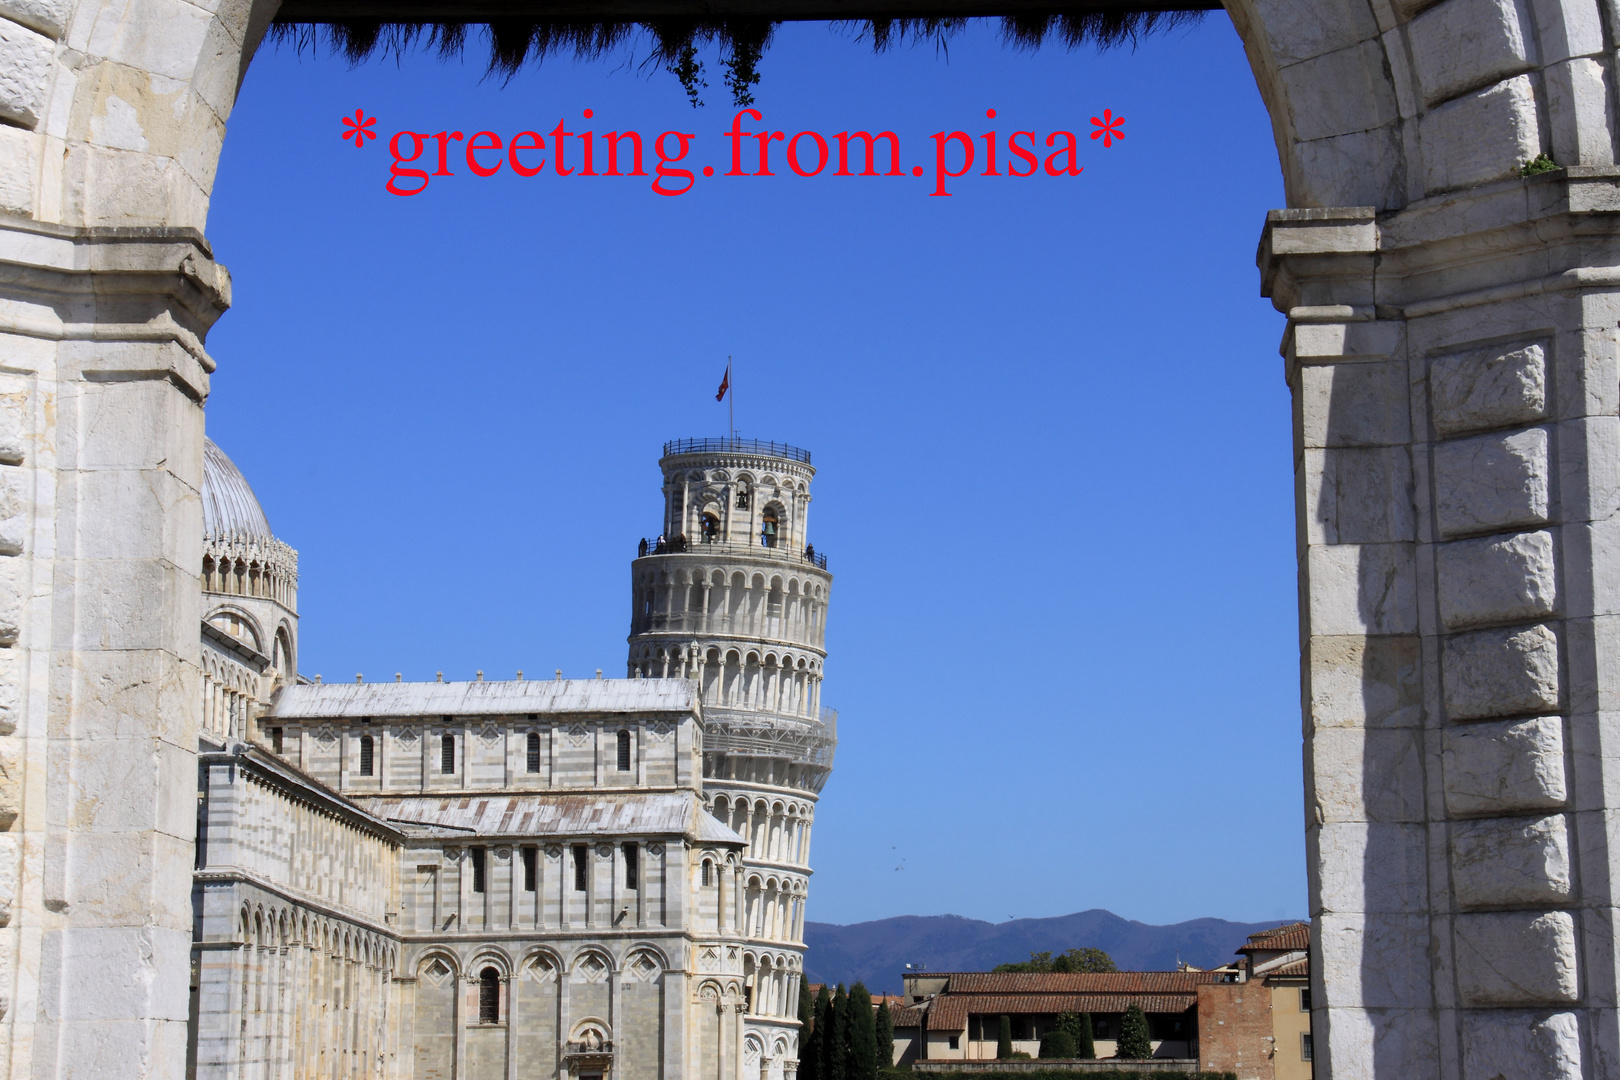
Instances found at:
x=491 y=956
x=1373 y=106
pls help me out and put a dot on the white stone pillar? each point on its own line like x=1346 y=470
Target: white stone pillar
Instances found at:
x=1457 y=452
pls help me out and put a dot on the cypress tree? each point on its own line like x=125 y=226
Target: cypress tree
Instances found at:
x=862 y=1035
x=837 y=1044
x=1087 y=1045
x=1004 y=1040
x=809 y=1048
x=1134 y=1043
x=883 y=1028
x=824 y=1019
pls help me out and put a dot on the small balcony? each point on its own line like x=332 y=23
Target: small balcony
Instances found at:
x=680 y=545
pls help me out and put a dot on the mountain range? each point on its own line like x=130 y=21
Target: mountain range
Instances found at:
x=877 y=952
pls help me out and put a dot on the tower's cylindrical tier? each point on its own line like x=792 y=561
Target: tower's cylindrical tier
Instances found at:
x=731 y=593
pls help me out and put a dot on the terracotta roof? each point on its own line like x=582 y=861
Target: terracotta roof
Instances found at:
x=1294 y=968
x=905 y=1017
x=1110 y=982
x=1295 y=937
x=950 y=1012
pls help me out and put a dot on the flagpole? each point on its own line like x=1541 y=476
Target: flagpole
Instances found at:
x=731 y=401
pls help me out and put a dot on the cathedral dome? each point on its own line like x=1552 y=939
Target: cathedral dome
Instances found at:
x=230 y=509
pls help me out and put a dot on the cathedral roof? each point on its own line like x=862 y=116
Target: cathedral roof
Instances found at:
x=402 y=700
x=575 y=815
x=230 y=509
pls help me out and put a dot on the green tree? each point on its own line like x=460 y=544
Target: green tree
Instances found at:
x=1085 y=1044
x=1134 y=1043
x=818 y=1035
x=1004 y=1039
x=883 y=1028
x=1059 y=1044
x=836 y=1047
x=862 y=1035
x=809 y=1049
x=1071 y=960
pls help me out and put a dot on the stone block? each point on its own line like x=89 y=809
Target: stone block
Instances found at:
x=25 y=73
x=1589 y=468
x=1515 y=957
x=49 y=17
x=1568 y=28
x=1375 y=1043
x=1354 y=404
x=1362 y=168
x=1339 y=92
x=1359 y=495
x=1461 y=45
x=1504 y=862
x=1366 y=682
x=1497 y=386
x=1360 y=589
x=16 y=499
x=1490 y=483
x=1376 y=961
x=1580 y=126
x=1504 y=767
x=1497 y=579
x=1370 y=867
x=1359 y=775
x=1490 y=673
x=1297 y=34
x=1481 y=136
x=12 y=579
x=1509 y=1044
x=19 y=168
x=11 y=691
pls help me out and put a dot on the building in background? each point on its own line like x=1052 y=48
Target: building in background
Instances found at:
x=1266 y=1032
x=517 y=880
x=1251 y=1017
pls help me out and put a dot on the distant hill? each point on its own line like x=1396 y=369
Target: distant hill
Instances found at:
x=877 y=952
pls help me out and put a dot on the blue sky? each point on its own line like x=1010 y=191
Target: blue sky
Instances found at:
x=1048 y=415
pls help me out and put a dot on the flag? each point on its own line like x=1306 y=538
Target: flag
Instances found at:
x=725 y=384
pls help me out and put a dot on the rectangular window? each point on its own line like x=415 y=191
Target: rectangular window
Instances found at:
x=630 y=867
x=533 y=762
x=447 y=755
x=1305 y=1046
x=954 y=1041
x=275 y=739
x=1305 y=1000
x=531 y=859
x=705 y=871
x=477 y=854
x=365 y=755
x=624 y=751
x=581 y=853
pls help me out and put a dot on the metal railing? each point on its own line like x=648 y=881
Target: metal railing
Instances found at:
x=810 y=741
x=680 y=545
x=739 y=446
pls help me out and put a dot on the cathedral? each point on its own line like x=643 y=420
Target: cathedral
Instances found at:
x=538 y=879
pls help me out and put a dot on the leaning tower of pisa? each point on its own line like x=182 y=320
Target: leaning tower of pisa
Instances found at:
x=732 y=594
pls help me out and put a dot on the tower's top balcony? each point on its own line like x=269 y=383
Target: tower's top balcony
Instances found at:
x=733 y=445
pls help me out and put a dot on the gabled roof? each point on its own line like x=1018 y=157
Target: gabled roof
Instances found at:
x=402 y=700
x=1295 y=937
